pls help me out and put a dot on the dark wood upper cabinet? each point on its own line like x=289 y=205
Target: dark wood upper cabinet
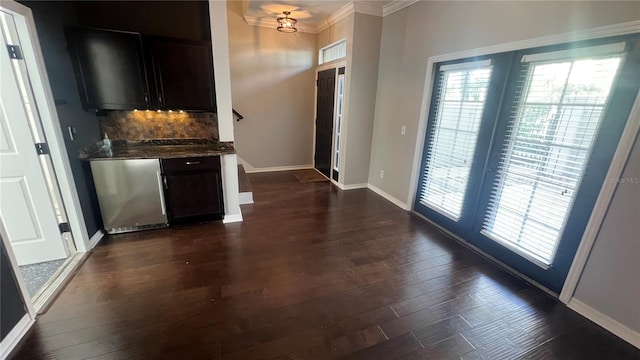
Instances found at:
x=118 y=70
x=183 y=73
x=110 y=68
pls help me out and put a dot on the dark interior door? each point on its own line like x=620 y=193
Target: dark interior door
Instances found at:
x=109 y=68
x=324 y=120
x=183 y=72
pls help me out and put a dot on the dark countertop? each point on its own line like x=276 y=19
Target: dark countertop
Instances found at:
x=156 y=149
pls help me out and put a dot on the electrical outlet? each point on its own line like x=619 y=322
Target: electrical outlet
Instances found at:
x=381 y=173
x=403 y=130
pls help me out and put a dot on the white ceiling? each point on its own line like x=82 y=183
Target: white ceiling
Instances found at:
x=307 y=11
x=311 y=14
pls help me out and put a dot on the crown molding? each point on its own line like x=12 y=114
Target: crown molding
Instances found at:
x=396 y=5
x=350 y=8
x=368 y=8
x=340 y=14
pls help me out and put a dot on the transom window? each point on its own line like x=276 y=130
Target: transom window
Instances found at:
x=335 y=51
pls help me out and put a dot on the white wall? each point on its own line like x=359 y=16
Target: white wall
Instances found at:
x=430 y=28
x=272 y=85
x=609 y=282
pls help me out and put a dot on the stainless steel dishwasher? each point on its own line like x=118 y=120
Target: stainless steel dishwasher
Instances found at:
x=130 y=193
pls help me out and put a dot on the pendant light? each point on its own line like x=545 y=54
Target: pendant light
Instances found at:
x=287 y=24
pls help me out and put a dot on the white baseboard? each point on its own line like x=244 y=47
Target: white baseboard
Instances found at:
x=278 y=168
x=397 y=202
x=622 y=331
x=246 y=198
x=248 y=168
x=244 y=164
x=232 y=218
x=95 y=239
x=352 y=186
x=47 y=294
x=15 y=335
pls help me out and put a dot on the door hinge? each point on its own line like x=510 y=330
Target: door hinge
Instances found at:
x=64 y=227
x=15 y=52
x=42 y=148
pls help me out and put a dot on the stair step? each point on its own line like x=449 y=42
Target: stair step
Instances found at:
x=244 y=185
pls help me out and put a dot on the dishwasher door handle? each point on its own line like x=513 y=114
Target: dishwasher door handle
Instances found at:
x=161 y=190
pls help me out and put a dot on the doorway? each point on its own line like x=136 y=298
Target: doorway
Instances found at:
x=324 y=120
x=34 y=225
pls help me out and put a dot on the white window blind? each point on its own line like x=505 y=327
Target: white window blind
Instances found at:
x=546 y=150
x=333 y=52
x=459 y=106
x=338 y=130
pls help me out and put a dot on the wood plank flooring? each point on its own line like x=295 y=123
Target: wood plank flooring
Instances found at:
x=312 y=273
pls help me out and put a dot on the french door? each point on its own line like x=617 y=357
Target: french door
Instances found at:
x=518 y=145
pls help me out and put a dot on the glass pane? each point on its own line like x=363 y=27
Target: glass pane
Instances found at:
x=452 y=143
x=546 y=153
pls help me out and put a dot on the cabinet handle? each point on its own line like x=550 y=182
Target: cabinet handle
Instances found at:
x=160 y=98
x=162 y=204
x=146 y=99
x=192 y=162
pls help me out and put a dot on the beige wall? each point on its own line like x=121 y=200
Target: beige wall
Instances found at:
x=609 y=282
x=362 y=33
x=272 y=85
x=362 y=98
x=429 y=28
x=341 y=30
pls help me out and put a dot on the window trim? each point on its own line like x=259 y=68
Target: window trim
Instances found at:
x=434 y=120
x=620 y=156
x=333 y=44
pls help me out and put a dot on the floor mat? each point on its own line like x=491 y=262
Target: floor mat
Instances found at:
x=35 y=275
x=309 y=175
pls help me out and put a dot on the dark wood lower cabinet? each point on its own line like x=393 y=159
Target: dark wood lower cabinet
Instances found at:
x=193 y=189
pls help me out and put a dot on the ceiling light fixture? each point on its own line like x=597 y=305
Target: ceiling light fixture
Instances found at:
x=287 y=24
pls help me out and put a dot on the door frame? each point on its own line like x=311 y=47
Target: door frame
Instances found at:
x=50 y=126
x=336 y=64
x=43 y=95
x=20 y=329
x=622 y=152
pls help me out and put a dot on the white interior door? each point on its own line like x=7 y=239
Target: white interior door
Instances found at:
x=26 y=206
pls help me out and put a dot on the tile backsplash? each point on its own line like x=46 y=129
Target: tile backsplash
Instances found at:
x=148 y=125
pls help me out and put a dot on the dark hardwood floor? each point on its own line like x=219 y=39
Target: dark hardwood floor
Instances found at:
x=312 y=273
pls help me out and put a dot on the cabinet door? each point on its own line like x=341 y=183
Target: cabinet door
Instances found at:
x=194 y=194
x=183 y=73
x=109 y=68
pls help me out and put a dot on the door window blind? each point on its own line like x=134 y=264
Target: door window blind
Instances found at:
x=546 y=150
x=338 y=130
x=459 y=105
